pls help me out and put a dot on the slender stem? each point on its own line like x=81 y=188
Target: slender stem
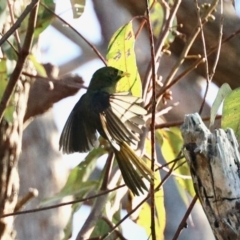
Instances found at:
x=17 y=24
x=78 y=33
x=184 y=220
x=152 y=198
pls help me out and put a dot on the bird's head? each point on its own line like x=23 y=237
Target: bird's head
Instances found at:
x=105 y=79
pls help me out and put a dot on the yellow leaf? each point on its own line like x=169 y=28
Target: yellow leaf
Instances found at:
x=121 y=55
x=171 y=143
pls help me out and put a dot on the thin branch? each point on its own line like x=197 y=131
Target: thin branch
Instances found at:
x=78 y=33
x=32 y=193
x=208 y=80
x=177 y=79
x=10 y=7
x=21 y=58
x=178 y=123
x=189 y=44
x=98 y=207
x=219 y=41
x=210 y=76
x=183 y=223
x=17 y=24
x=62 y=204
x=110 y=224
x=163 y=36
x=153 y=153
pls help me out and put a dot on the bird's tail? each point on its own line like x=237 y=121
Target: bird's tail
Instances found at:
x=133 y=169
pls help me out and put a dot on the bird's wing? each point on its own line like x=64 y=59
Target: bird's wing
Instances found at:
x=126 y=108
x=115 y=129
x=78 y=135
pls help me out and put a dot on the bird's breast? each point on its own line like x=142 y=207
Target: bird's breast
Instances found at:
x=100 y=101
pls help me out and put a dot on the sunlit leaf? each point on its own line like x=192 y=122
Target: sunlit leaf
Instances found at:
x=171 y=143
x=230 y=113
x=156 y=17
x=121 y=55
x=38 y=66
x=144 y=221
x=77 y=7
x=223 y=92
x=143 y=218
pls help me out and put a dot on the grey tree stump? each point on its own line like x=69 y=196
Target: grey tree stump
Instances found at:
x=214 y=163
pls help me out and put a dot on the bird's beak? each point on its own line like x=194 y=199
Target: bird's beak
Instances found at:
x=123 y=74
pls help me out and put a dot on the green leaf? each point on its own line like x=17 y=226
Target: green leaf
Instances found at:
x=231 y=110
x=38 y=66
x=101 y=228
x=121 y=55
x=68 y=229
x=45 y=17
x=223 y=92
x=156 y=17
x=145 y=211
x=171 y=143
x=78 y=182
x=77 y=7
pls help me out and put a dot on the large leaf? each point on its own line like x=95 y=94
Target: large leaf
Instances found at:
x=78 y=182
x=223 y=92
x=231 y=110
x=143 y=214
x=171 y=143
x=121 y=55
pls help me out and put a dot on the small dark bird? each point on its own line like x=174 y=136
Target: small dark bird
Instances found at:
x=116 y=117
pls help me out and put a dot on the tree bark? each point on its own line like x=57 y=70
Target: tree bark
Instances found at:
x=10 y=148
x=214 y=162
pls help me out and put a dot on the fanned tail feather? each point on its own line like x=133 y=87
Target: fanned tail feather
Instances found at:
x=132 y=167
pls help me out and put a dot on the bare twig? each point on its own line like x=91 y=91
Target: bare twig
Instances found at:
x=10 y=7
x=118 y=233
x=62 y=204
x=204 y=54
x=17 y=24
x=183 y=223
x=210 y=75
x=32 y=193
x=21 y=57
x=78 y=33
x=152 y=198
x=98 y=207
x=178 y=123
x=163 y=36
x=188 y=45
